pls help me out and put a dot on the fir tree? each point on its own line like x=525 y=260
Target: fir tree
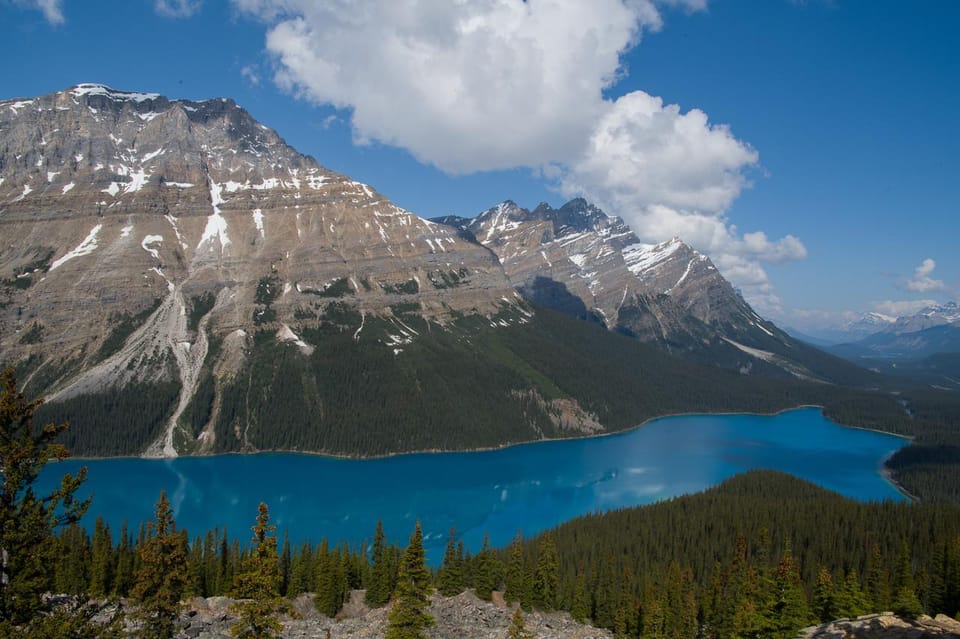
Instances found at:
x=28 y=520
x=877 y=580
x=514 y=586
x=257 y=585
x=518 y=626
x=161 y=575
x=450 y=581
x=485 y=571
x=379 y=589
x=124 y=575
x=580 y=610
x=102 y=560
x=409 y=619
x=905 y=600
x=824 y=596
x=791 y=610
x=547 y=575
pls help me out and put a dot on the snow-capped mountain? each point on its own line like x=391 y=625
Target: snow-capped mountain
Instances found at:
x=175 y=278
x=140 y=233
x=581 y=261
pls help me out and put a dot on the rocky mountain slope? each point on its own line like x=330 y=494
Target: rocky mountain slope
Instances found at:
x=135 y=227
x=578 y=260
x=175 y=279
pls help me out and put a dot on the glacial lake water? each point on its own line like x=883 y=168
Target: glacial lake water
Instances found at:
x=530 y=487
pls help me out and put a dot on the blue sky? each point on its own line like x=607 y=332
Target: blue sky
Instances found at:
x=810 y=148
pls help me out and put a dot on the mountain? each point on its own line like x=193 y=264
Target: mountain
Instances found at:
x=928 y=317
x=176 y=279
x=578 y=260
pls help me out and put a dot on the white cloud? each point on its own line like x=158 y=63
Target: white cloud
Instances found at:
x=177 y=9
x=251 y=75
x=467 y=86
x=497 y=84
x=52 y=9
x=921 y=282
x=896 y=308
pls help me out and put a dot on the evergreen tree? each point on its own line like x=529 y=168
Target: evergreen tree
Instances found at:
x=878 y=580
x=824 y=596
x=485 y=571
x=257 y=585
x=72 y=564
x=514 y=586
x=380 y=588
x=518 y=626
x=286 y=558
x=580 y=610
x=791 y=610
x=28 y=520
x=450 y=581
x=126 y=557
x=850 y=600
x=547 y=575
x=161 y=576
x=102 y=560
x=905 y=600
x=330 y=587
x=409 y=619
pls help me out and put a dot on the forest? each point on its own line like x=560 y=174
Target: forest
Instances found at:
x=763 y=554
x=357 y=397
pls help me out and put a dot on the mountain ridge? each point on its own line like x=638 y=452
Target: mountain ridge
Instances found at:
x=177 y=276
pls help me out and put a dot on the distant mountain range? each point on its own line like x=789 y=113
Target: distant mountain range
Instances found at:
x=177 y=279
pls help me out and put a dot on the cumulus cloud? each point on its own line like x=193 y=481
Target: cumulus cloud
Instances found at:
x=497 y=84
x=921 y=282
x=52 y=9
x=177 y=9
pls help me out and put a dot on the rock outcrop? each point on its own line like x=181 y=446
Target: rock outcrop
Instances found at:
x=885 y=626
x=461 y=617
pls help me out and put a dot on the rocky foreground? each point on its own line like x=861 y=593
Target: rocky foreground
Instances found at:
x=461 y=617
x=885 y=626
x=468 y=617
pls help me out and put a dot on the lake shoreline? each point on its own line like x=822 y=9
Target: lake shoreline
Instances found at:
x=485 y=449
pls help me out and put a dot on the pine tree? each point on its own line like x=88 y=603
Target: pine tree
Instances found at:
x=330 y=588
x=514 y=586
x=161 y=576
x=580 y=610
x=791 y=610
x=850 y=599
x=485 y=576
x=286 y=559
x=450 y=581
x=28 y=520
x=409 y=619
x=102 y=560
x=877 y=580
x=905 y=600
x=126 y=557
x=518 y=626
x=379 y=589
x=547 y=575
x=824 y=596
x=257 y=585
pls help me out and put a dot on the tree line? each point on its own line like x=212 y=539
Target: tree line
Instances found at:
x=761 y=555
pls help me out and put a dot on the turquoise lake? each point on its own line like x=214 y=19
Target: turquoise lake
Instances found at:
x=530 y=487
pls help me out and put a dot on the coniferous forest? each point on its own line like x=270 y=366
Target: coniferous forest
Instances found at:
x=763 y=554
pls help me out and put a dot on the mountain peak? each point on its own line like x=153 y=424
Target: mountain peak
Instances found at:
x=114 y=94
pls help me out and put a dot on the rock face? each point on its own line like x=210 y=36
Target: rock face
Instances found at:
x=885 y=626
x=156 y=252
x=137 y=228
x=461 y=617
x=581 y=261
